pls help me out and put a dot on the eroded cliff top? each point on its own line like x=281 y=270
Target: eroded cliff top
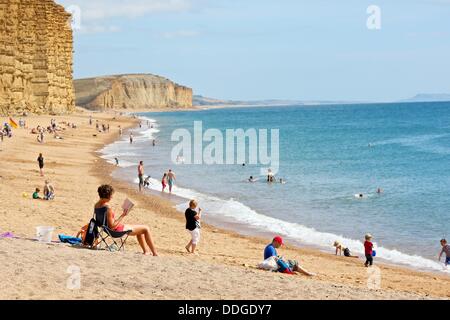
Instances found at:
x=131 y=91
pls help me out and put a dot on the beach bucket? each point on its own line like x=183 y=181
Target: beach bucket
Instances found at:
x=374 y=253
x=44 y=234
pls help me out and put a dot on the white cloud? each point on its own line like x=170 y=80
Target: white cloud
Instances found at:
x=92 y=10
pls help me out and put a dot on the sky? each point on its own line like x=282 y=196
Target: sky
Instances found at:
x=265 y=49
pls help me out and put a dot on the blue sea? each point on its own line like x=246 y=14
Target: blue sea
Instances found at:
x=327 y=155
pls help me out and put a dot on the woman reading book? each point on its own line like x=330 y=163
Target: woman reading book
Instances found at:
x=142 y=232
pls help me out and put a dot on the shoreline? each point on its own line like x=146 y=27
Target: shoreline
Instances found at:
x=256 y=236
x=77 y=169
x=236 y=226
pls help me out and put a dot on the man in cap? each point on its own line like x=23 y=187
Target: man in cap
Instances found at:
x=271 y=251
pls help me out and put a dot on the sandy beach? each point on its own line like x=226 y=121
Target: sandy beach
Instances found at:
x=224 y=269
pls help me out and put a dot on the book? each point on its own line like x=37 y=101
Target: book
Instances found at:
x=127 y=205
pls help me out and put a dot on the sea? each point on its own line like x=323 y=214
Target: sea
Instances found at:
x=328 y=155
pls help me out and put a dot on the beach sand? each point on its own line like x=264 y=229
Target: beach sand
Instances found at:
x=225 y=268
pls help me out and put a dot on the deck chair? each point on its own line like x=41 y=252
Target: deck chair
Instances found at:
x=108 y=235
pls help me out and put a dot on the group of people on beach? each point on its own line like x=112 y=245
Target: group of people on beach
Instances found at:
x=168 y=179
x=193 y=217
x=49 y=192
x=99 y=127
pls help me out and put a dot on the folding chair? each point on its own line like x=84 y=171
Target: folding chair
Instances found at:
x=105 y=233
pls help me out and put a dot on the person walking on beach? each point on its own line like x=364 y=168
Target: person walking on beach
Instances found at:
x=446 y=250
x=193 y=225
x=142 y=232
x=368 y=250
x=131 y=138
x=171 y=179
x=120 y=131
x=40 y=161
x=164 y=182
x=90 y=120
x=141 y=175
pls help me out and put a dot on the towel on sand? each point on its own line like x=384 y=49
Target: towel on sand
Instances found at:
x=69 y=239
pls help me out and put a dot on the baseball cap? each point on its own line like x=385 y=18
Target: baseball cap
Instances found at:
x=278 y=239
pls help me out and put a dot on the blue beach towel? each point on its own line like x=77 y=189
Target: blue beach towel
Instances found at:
x=69 y=239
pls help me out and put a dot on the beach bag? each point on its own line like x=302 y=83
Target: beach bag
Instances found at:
x=284 y=267
x=91 y=234
x=269 y=264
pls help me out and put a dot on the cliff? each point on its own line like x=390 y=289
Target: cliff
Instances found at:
x=35 y=57
x=140 y=91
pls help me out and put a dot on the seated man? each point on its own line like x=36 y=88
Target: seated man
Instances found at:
x=271 y=251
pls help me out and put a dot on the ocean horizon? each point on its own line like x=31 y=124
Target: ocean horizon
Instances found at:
x=329 y=154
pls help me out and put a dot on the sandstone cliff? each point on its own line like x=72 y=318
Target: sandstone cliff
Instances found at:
x=140 y=91
x=36 y=52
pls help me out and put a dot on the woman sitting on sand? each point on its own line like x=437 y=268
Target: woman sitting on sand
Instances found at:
x=142 y=232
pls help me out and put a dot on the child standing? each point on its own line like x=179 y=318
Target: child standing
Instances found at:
x=193 y=225
x=446 y=250
x=368 y=250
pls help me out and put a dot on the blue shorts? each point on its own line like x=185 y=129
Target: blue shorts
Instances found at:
x=447 y=260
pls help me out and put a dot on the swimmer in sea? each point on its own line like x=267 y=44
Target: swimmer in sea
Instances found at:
x=380 y=191
x=251 y=179
x=117 y=162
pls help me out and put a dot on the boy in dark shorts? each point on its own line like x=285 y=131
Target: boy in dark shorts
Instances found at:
x=368 y=250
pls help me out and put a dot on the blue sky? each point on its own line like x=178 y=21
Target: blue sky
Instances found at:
x=264 y=49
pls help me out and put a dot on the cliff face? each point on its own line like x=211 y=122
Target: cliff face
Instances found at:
x=131 y=92
x=35 y=57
